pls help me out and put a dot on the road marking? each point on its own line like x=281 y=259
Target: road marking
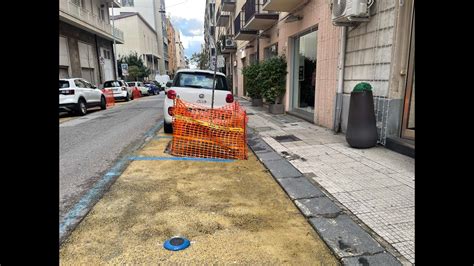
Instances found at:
x=138 y=158
x=85 y=204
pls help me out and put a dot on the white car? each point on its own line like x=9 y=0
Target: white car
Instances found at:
x=120 y=89
x=140 y=86
x=77 y=94
x=195 y=86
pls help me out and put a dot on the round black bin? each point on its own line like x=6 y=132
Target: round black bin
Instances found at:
x=361 y=125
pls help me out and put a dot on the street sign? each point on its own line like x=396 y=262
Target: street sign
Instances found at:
x=124 y=69
x=220 y=61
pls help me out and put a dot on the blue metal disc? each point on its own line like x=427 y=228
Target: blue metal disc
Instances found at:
x=176 y=243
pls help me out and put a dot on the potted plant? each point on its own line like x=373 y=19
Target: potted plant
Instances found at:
x=273 y=76
x=253 y=88
x=361 y=125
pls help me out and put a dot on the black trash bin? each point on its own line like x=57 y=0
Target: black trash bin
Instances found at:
x=361 y=125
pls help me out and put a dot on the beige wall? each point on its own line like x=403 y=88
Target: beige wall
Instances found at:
x=138 y=37
x=316 y=14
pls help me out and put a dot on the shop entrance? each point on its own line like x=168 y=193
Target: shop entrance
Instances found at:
x=304 y=72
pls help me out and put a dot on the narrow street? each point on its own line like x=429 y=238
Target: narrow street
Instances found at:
x=90 y=145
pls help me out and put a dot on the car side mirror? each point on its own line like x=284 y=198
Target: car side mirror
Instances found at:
x=168 y=84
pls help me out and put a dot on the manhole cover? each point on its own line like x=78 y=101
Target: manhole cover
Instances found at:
x=286 y=138
x=176 y=243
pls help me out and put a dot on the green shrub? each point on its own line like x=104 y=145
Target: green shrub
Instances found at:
x=273 y=77
x=252 y=81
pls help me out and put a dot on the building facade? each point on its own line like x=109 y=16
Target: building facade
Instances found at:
x=153 y=11
x=382 y=52
x=180 y=56
x=86 y=40
x=173 y=64
x=140 y=38
x=325 y=60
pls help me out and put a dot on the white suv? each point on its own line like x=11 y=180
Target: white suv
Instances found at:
x=76 y=95
x=195 y=86
x=120 y=89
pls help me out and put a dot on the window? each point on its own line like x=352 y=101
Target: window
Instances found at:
x=271 y=51
x=200 y=81
x=128 y=3
x=79 y=83
x=63 y=84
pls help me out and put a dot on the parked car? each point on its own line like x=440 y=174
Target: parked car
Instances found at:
x=77 y=94
x=152 y=88
x=119 y=88
x=195 y=86
x=140 y=86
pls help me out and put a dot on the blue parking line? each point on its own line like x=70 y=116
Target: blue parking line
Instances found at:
x=80 y=208
x=89 y=197
x=138 y=158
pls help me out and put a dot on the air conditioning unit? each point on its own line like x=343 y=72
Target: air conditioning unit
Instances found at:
x=229 y=42
x=348 y=12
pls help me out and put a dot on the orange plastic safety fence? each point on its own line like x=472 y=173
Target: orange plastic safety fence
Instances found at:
x=109 y=97
x=201 y=132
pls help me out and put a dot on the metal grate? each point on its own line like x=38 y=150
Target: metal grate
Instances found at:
x=286 y=138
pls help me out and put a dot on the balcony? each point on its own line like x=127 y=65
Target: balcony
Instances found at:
x=74 y=14
x=242 y=34
x=222 y=18
x=228 y=5
x=228 y=45
x=256 y=18
x=281 y=5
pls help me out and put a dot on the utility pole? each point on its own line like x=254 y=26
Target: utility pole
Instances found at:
x=115 y=45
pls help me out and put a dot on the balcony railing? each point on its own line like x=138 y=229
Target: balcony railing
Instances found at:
x=240 y=32
x=256 y=18
x=71 y=8
x=222 y=18
x=228 y=5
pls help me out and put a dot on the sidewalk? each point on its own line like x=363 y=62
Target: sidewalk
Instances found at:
x=375 y=185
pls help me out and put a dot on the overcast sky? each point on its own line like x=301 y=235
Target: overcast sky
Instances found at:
x=187 y=17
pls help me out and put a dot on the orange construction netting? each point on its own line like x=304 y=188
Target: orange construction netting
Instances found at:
x=203 y=132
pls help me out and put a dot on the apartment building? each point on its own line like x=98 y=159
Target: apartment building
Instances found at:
x=153 y=11
x=86 y=39
x=180 y=56
x=173 y=65
x=325 y=59
x=140 y=38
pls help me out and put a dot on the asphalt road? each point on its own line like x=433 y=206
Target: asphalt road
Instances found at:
x=90 y=145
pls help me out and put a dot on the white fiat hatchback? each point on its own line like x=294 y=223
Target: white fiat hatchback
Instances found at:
x=195 y=86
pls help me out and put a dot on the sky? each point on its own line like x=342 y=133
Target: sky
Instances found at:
x=187 y=17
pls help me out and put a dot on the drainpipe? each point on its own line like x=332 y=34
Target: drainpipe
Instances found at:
x=97 y=49
x=340 y=81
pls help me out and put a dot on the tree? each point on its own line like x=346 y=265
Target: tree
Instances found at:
x=201 y=59
x=136 y=68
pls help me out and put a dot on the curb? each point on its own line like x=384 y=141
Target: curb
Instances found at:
x=350 y=243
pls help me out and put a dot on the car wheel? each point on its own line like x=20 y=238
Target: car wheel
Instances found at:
x=103 y=103
x=81 y=107
x=168 y=128
x=127 y=98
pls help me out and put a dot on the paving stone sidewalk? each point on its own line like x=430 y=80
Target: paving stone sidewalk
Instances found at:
x=375 y=186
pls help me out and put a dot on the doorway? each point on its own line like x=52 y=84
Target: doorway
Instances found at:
x=408 y=128
x=304 y=72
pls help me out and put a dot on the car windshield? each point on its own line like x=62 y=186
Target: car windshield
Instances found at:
x=200 y=80
x=63 y=84
x=109 y=84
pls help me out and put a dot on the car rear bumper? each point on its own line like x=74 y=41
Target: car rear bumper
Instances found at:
x=67 y=107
